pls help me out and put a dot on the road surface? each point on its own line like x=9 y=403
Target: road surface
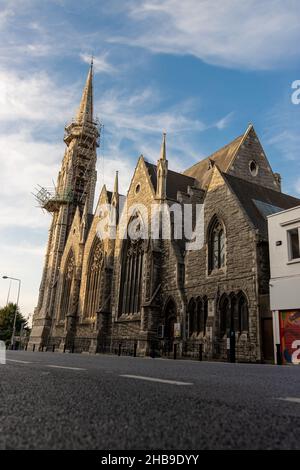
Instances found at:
x=72 y=401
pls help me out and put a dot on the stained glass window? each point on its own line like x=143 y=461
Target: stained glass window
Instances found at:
x=217 y=246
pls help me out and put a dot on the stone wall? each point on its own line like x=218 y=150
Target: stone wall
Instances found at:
x=251 y=149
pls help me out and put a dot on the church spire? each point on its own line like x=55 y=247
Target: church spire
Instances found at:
x=85 y=111
x=163 y=148
x=115 y=201
x=162 y=171
x=116 y=185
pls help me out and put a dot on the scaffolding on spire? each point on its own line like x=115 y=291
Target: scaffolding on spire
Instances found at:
x=50 y=199
x=82 y=137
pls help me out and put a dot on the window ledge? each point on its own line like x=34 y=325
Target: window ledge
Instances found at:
x=293 y=261
x=216 y=272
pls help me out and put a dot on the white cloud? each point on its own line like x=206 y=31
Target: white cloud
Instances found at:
x=136 y=119
x=101 y=64
x=133 y=112
x=24 y=262
x=34 y=97
x=25 y=163
x=5 y=14
x=241 y=34
x=224 y=122
x=33 y=108
x=231 y=33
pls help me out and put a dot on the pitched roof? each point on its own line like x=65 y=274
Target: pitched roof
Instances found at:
x=258 y=202
x=223 y=157
x=175 y=181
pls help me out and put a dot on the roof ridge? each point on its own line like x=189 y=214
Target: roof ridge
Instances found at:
x=243 y=138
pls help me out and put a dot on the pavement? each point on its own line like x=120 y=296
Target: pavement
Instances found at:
x=78 y=401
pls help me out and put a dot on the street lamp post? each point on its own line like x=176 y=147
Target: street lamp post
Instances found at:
x=12 y=339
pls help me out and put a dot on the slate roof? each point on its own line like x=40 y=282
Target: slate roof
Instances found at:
x=222 y=157
x=258 y=201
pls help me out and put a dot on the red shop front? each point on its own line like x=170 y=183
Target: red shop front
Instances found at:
x=289 y=321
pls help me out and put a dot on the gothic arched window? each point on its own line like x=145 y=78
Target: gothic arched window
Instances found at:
x=68 y=276
x=131 y=276
x=216 y=245
x=94 y=279
x=234 y=313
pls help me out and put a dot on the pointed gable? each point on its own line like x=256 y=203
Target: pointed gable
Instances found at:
x=145 y=177
x=216 y=179
x=251 y=164
x=105 y=197
x=244 y=158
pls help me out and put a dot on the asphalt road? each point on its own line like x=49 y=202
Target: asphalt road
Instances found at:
x=71 y=401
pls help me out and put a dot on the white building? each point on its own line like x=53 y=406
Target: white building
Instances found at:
x=284 y=247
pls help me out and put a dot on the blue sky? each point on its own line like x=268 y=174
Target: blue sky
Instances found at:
x=198 y=69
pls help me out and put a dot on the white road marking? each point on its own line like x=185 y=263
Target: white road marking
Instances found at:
x=21 y=362
x=153 y=379
x=64 y=367
x=290 y=399
x=46 y=365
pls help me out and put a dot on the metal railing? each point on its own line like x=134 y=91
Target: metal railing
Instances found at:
x=173 y=349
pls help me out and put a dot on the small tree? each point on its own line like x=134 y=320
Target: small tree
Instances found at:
x=7 y=315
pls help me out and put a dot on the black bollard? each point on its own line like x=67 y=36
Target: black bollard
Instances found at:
x=134 y=349
x=119 y=351
x=278 y=355
x=175 y=351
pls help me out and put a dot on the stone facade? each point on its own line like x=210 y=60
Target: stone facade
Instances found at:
x=155 y=295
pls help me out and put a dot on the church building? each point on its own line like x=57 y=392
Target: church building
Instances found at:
x=154 y=295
